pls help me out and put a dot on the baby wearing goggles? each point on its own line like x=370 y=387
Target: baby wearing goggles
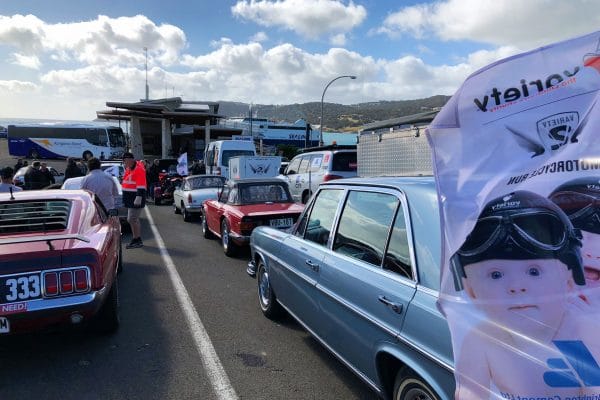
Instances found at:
x=580 y=200
x=519 y=266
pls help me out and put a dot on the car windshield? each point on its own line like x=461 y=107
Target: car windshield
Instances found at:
x=264 y=193
x=227 y=154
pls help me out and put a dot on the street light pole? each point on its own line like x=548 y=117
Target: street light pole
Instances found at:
x=322 y=97
x=146 y=54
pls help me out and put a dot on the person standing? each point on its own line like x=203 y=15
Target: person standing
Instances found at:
x=100 y=183
x=153 y=174
x=34 y=178
x=72 y=170
x=134 y=196
x=6 y=181
x=19 y=165
x=49 y=179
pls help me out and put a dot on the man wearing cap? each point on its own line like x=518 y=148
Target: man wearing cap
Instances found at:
x=6 y=181
x=134 y=196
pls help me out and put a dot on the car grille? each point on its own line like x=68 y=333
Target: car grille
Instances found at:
x=34 y=216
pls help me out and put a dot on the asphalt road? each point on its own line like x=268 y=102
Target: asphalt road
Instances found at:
x=154 y=356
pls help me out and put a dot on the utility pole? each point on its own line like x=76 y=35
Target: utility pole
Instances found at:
x=147 y=88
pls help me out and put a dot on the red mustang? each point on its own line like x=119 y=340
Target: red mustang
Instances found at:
x=245 y=204
x=59 y=256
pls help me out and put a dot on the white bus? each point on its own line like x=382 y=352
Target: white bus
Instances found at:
x=66 y=140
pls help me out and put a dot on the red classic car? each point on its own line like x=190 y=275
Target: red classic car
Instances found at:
x=245 y=204
x=60 y=253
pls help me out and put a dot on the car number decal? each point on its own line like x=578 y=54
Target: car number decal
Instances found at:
x=20 y=288
x=4 y=325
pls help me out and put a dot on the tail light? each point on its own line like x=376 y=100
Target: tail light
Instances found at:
x=330 y=177
x=66 y=281
x=247 y=224
x=51 y=283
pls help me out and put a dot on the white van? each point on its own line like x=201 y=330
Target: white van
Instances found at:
x=218 y=153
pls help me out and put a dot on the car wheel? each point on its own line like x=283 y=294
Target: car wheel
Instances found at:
x=87 y=155
x=157 y=201
x=205 y=231
x=120 y=262
x=107 y=319
x=34 y=154
x=175 y=209
x=187 y=216
x=266 y=297
x=228 y=245
x=409 y=386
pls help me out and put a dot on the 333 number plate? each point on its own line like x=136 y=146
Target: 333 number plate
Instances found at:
x=19 y=287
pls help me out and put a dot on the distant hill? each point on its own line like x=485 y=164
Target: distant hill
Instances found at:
x=337 y=117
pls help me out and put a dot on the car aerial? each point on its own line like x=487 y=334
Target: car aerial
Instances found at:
x=361 y=271
x=19 y=177
x=59 y=259
x=75 y=183
x=319 y=164
x=193 y=191
x=245 y=204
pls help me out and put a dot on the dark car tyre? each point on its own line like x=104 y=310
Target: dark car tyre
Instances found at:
x=175 y=209
x=266 y=297
x=187 y=216
x=205 y=231
x=157 y=201
x=229 y=247
x=107 y=319
x=409 y=386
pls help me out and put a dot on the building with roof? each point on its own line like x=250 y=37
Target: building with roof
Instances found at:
x=401 y=123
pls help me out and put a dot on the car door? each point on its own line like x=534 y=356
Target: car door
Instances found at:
x=215 y=209
x=291 y=173
x=295 y=280
x=366 y=281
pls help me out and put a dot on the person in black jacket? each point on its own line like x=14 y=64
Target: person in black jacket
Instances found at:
x=49 y=178
x=34 y=178
x=72 y=170
x=152 y=178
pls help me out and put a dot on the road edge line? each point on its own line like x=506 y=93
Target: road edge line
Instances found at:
x=214 y=369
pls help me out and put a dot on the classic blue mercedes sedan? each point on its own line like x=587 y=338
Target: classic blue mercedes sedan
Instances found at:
x=360 y=270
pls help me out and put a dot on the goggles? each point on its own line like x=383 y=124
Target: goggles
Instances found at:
x=582 y=209
x=530 y=230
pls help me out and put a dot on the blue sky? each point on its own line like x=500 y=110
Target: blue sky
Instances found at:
x=63 y=59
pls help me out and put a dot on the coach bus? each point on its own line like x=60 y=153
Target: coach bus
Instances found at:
x=67 y=140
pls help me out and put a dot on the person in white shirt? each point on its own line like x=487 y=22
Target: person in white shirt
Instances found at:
x=100 y=183
x=6 y=181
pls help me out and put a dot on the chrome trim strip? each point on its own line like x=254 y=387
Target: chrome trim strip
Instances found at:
x=338 y=356
x=285 y=265
x=61 y=302
x=426 y=353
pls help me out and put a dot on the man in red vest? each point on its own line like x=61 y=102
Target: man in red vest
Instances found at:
x=134 y=196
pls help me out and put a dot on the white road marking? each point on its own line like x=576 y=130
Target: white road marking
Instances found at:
x=215 y=371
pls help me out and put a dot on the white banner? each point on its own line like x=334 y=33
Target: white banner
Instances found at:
x=517 y=164
x=182 y=165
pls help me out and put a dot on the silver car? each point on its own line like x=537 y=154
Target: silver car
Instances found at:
x=360 y=271
x=190 y=195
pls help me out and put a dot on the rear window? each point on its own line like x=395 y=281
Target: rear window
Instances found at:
x=34 y=216
x=344 y=161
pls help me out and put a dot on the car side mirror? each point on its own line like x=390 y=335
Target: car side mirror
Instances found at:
x=113 y=212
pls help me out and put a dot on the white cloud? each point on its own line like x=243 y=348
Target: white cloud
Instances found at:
x=13 y=86
x=524 y=24
x=103 y=41
x=259 y=37
x=338 y=40
x=308 y=18
x=31 y=62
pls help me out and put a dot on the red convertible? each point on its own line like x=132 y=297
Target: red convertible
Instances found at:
x=245 y=204
x=60 y=253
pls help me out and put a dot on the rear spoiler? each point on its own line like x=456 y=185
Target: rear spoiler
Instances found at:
x=48 y=239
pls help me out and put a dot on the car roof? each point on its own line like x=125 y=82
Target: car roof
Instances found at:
x=255 y=180
x=416 y=187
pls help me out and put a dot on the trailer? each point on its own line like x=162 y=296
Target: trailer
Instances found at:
x=404 y=152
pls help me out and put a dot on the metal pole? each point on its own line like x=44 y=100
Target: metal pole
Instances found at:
x=322 y=97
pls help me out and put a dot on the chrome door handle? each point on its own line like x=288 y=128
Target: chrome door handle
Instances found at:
x=312 y=265
x=396 y=307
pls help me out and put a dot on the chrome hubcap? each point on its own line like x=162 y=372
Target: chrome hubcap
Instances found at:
x=264 y=289
x=225 y=235
x=417 y=394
